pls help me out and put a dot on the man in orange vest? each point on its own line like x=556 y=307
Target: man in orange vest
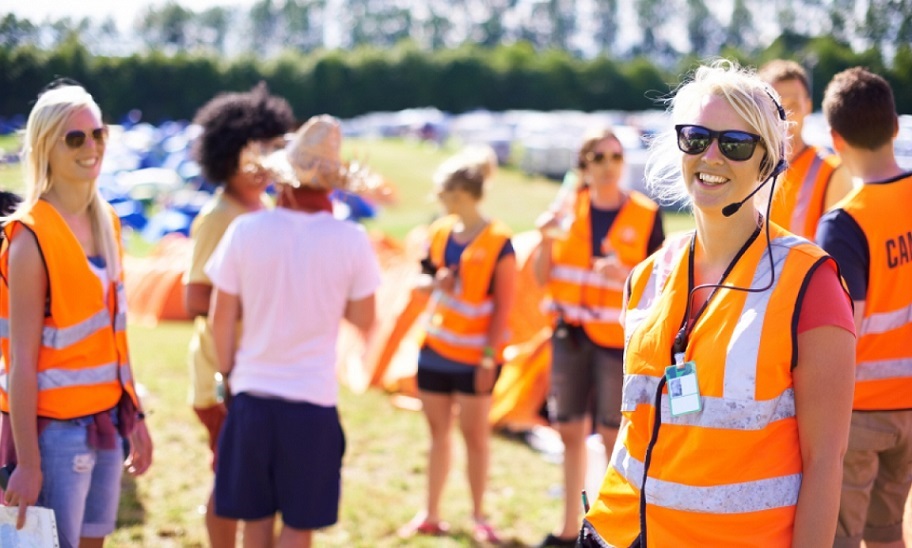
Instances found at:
x=870 y=235
x=814 y=180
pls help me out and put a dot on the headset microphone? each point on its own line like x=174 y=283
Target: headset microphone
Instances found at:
x=733 y=207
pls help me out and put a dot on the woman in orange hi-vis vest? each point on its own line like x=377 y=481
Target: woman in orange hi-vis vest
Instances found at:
x=66 y=389
x=589 y=244
x=473 y=265
x=738 y=363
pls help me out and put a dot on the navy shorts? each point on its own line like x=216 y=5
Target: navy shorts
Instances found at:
x=446 y=382
x=280 y=456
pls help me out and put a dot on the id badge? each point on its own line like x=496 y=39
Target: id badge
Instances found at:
x=683 y=390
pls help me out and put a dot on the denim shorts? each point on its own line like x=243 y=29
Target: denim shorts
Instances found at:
x=81 y=483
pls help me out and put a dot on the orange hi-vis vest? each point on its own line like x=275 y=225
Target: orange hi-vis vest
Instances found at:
x=729 y=474
x=83 y=365
x=883 y=365
x=583 y=297
x=458 y=322
x=799 y=202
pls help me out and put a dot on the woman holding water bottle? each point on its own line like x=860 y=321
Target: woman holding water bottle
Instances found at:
x=591 y=239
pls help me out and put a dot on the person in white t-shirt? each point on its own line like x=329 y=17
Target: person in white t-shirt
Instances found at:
x=291 y=274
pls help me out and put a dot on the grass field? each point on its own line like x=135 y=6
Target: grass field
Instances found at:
x=385 y=461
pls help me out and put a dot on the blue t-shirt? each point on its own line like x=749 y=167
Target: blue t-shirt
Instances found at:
x=600 y=221
x=427 y=357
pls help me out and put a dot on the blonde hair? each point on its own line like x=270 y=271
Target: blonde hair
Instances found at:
x=468 y=170
x=755 y=102
x=46 y=124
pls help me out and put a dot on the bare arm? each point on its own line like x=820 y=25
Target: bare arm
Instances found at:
x=840 y=185
x=541 y=257
x=197 y=297
x=824 y=385
x=361 y=313
x=28 y=287
x=503 y=297
x=223 y=317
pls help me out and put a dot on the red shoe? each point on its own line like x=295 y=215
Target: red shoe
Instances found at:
x=420 y=526
x=483 y=532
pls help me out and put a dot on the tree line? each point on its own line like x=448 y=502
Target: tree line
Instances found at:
x=371 y=79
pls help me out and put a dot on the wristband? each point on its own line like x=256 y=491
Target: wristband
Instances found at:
x=487 y=352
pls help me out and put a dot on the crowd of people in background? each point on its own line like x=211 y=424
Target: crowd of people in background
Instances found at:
x=749 y=379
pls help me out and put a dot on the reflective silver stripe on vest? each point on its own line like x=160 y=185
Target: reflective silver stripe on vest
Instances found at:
x=881 y=322
x=725 y=413
x=126 y=373
x=583 y=276
x=883 y=369
x=120 y=322
x=740 y=381
x=4 y=380
x=69 y=378
x=59 y=338
x=457 y=339
x=732 y=498
x=799 y=214
x=62 y=337
x=661 y=268
x=586 y=314
x=468 y=310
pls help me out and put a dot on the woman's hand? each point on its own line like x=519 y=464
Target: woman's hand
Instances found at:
x=140 y=450
x=445 y=279
x=22 y=490
x=484 y=379
x=611 y=268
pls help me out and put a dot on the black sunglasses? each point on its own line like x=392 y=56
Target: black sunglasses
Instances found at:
x=76 y=138
x=599 y=157
x=734 y=145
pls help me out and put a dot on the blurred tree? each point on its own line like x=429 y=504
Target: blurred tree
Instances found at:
x=16 y=32
x=702 y=29
x=167 y=27
x=741 y=33
x=606 y=15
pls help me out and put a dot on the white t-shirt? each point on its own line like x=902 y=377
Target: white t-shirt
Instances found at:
x=294 y=273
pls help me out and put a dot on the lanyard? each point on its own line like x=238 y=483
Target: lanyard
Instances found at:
x=687 y=325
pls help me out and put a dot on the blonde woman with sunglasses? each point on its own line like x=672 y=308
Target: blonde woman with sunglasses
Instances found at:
x=588 y=247
x=738 y=360
x=66 y=389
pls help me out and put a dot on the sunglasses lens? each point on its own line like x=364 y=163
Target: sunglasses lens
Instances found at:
x=693 y=139
x=75 y=139
x=737 y=145
x=99 y=134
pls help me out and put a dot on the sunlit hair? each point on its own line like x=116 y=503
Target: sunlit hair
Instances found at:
x=467 y=170
x=748 y=95
x=44 y=129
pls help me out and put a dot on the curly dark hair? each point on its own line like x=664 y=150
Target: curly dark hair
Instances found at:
x=230 y=121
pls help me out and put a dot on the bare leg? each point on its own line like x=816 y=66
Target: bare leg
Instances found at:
x=222 y=531
x=573 y=434
x=438 y=410
x=259 y=533
x=295 y=538
x=473 y=421
x=85 y=542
